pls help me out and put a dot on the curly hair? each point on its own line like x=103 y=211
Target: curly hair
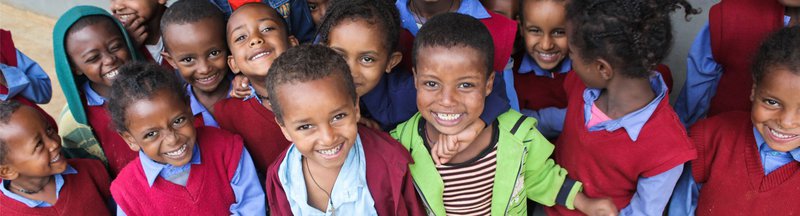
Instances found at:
x=779 y=50
x=306 y=63
x=379 y=13
x=140 y=81
x=450 y=30
x=633 y=35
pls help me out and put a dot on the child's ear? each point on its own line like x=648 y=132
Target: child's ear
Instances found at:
x=7 y=172
x=293 y=42
x=283 y=130
x=169 y=59
x=232 y=64
x=129 y=140
x=414 y=72
x=394 y=59
x=604 y=68
x=490 y=83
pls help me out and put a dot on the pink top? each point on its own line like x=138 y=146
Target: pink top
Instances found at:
x=597 y=117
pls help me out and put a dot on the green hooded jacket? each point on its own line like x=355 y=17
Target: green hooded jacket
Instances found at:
x=78 y=140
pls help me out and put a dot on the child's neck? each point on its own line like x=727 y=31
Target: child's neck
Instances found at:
x=261 y=91
x=153 y=27
x=102 y=90
x=427 y=10
x=208 y=99
x=625 y=95
x=474 y=149
x=319 y=183
x=42 y=188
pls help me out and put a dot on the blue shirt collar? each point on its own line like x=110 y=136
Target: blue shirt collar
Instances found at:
x=153 y=169
x=92 y=97
x=632 y=122
x=765 y=149
x=36 y=203
x=528 y=65
x=468 y=7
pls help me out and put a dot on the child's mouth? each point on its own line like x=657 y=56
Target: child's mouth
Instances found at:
x=207 y=80
x=447 y=119
x=332 y=152
x=551 y=57
x=781 y=137
x=111 y=74
x=260 y=55
x=177 y=154
x=56 y=158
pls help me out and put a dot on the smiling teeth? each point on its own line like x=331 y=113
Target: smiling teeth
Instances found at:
x=207 y=78
x=111 y=74
x=177 y=152
x=259 y=55
x=780 y=135
x=448 y=117
x=55 y=159
x=330 y=151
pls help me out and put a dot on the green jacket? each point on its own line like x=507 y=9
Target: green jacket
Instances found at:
x=78 y=140
x=524 y=168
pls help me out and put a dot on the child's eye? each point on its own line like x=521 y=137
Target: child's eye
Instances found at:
x=312 y=6
x=771 y=102
x=150 y=134
x=239 y=38
x=559 y=33
x=50 y=130
x=179 y=121
x=367 y=59
x=304 y=127
x=534 y=31
x=466 y=85
x=431 y=84
x=187 y=60
x=92 y=58
x=114 y=47
x=339 y=116
x=214 y=53
x=267 y=29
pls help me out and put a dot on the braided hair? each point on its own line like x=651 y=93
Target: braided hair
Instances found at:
x=138 y=81
x=379 y=13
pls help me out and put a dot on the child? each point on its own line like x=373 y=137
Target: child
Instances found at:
x=619 y=116
x=179 y=166
x=333 y=166
x=718 y=71
x=297 y=14
x=507 y=163
x=89 y=47
x=256 y=36
x=20 y=75
x=35 y=178
x=766 y=138
x=194 y=43
x=141 y=19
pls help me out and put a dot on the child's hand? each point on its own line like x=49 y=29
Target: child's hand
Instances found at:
x=241 y=87
x=370 y=123
x=592 y=207
x=136 y=29
x=447 y=146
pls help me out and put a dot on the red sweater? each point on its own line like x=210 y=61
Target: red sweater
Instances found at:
x=114 y=147
x=207 y=192
x=256 y=124
x=388 y=178
x=729 y=167
x=83 y=193
x=737 y=29
x=609 y=164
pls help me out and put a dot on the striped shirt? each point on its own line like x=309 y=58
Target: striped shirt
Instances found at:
x=468 y=185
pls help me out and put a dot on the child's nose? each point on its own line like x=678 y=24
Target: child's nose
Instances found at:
x=447 y=97
x=789 y=120
x=547 y=42
x=256 y=41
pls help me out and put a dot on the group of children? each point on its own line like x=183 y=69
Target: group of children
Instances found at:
x=379 y=107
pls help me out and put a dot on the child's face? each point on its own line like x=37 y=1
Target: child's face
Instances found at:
x=544 y=30
x=199 y=51
x=128 y=10
x=33 y=145
x=363 y=47
x=161 y=127
x=256 y=37
x=776 y=105
x=320 y=118
x=318 y=9
x=97 y=51
x=451 y=87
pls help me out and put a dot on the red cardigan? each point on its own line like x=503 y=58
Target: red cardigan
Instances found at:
x=388 y=178
x=83 y=193
x=729 y=167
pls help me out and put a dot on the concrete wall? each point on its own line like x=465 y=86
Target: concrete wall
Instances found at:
x=53 y=8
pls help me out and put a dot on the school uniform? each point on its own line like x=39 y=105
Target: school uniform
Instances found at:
x=218 y=180
x=541 y=93
x=23 y=76
x=295 y=12
x=152 y=54
x=115 y=148
x=82 y=189
x=202 y=116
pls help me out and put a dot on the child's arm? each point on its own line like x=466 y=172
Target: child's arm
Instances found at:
x=550 y=120
x=393 y=100
x=652 y=193
x=702 y=78
x=27 y=79
x=250 y=198
x=591 y=206
x=684 y=198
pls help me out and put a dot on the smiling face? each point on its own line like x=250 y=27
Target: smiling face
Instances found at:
x=318 y=9
x=161 y=127
x=320 y=118
x=363 y=47
x=199 y=51
x=97 y=51
x=256 y=36
x=126 y=10
x=776 y=105
x=33 y=145
x=451 y=87
x=544 y=29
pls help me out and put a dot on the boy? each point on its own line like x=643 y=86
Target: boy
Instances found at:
x=194 y=43
x=256 y=36
x=141 y=19
x=333 y=166
x=36 y=178
x=508 y=161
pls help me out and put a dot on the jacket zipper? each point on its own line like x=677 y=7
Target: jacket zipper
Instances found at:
x=522 y=158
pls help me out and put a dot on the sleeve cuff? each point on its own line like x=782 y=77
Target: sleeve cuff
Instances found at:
x=569 y=190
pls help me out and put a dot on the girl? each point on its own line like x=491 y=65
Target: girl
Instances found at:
x=619 y=116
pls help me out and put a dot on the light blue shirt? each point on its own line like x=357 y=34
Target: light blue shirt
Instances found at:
x=472 y=8
x=36 y=203
x=350 y=195
x=702 y=77
x=250 y=198
x=684 y=201
x=92 y=97
x=549 y=122
x=199 y=109
x=26 y=79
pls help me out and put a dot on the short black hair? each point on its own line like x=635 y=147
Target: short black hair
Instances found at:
x=191 y=11
x=780 y=50
x=450 y=30
x=378 y=13
x=137 y=81
x=307 y=63
x=7 y=109
x=522 y=3
x=83 y=22
x=633 y=35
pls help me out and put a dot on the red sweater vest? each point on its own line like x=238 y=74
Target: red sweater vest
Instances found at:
x=609 y=164
x=114 y=147
x=729 y=166
x=84 y=193
x=256 y=124
x=207 y=192
x=388 y=178
x=737 y=28
x=164 y=64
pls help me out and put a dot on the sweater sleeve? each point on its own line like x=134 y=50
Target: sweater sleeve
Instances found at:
x=545 y=181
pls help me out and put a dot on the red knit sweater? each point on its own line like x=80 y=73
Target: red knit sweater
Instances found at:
x=83 y=193
x=114 y=147
x=207 y=192
x=729 y=167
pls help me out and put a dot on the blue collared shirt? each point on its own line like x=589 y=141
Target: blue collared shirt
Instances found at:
x=92 y=97
x=26 y=79
x=199 y=109
x=250 y=198
x=549 y=121
x=632 y=122
x=36 y=203
x=702 y=77
x=350 y=195
x=472 y=8
x=684 y=202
